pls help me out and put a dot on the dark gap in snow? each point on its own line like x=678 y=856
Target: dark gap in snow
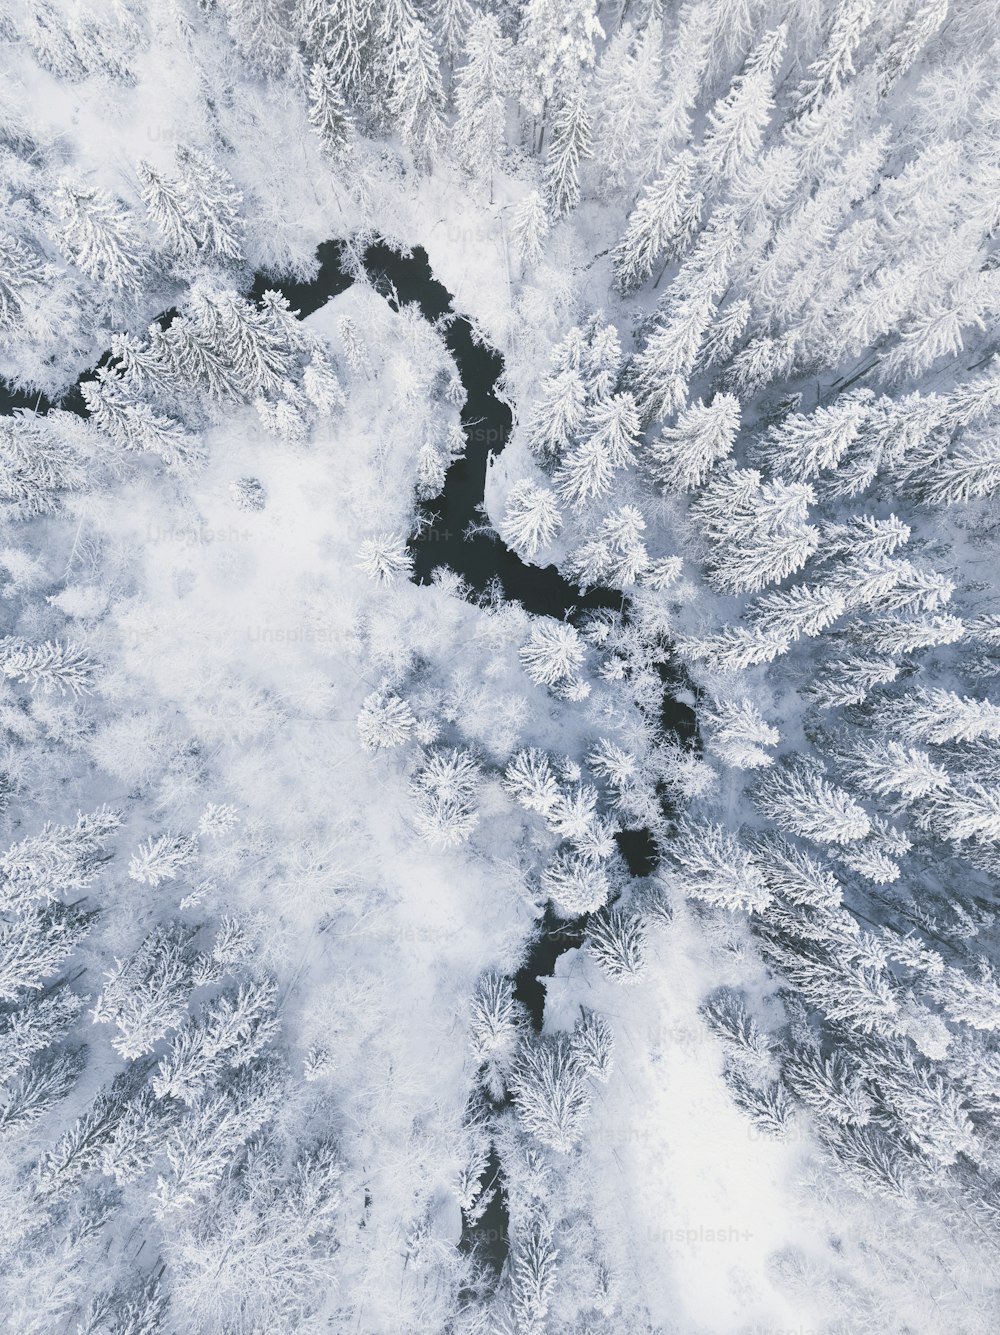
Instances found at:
x=307 y=297
x=446 y=520
x=30 y=400
x=555 y=936
x=638 y=848
x=488 y=1236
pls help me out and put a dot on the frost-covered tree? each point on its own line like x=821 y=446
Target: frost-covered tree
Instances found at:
x=328 y=114
x=417 y=94
x=551 y=1091
x=531 y=518
x=212 y=202
x=231 y=1031
x=496 y=1023
x=22 y=274
x=529 y=227
x=554 y=653
x=558 y=414
x=661 y=225
x=49 y=667
x=161 y=857
x=59 y=860
x=146 y=994
x=569 y=145
x=444 y=789
x=575 y=884
x=683 y=455
x=737 y=122
x=166 y=206
x=709 y=863
x=617 y=940
x=385 y=720
x=806 y=803
x=99 y=235
x=482 y=87
x=34 y=945
x=385 y=557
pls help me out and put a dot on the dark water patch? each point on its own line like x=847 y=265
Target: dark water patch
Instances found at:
x=638 y=848
x=308 y=296
x=488 y=1238
x=29 y=400
x=553 y=938
x=446 y=534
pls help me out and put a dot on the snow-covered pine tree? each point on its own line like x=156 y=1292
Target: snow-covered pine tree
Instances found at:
x=444 y=789
x=551 y=1091
x=569 y=145
x=212 y=202
x=328 y=114
x=531 y=518
x=662 y=224
x=99 y=236
x=417 y=98
x=683 y=455
x=529 y=226
x=482 y=86
x=736 y=123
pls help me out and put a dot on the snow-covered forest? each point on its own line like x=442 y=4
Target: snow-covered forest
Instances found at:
x=500 y=667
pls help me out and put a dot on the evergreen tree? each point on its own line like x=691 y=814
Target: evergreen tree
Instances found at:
x=593 y=1043
x=100 y=238
x=737 y=122
x=802 y=801
x=231 y=1032
x=531 y=518
x=34 y=1023
x=146 y=994
x=39 y=1088
x=451 y=22
x=385 y=721
x=610 y=436
x=683 y=455
x=161 y=858
x=342 y=36
x=417 y=95
x=328 y=114
x=661 y=225
x=22 y=273
x=260 y=31
x=835 y=64
x=47 y=667
x=495 y=1027
x=626 y=86
x=558 y=414
x=529 y=226
x=709 y=863
x=482 y=86
x=212 y=203
x=738 y=734
x=554 y=652
x=59 y=860
x=444 y=789
x=575 y=885
x=556 y=42
x=570 y=145
x=385 y=557
x=35 y=944
x=617 y=940
x=551 y=1092
x=39 y=465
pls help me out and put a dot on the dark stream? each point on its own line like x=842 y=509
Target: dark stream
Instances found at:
x=444 y=539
